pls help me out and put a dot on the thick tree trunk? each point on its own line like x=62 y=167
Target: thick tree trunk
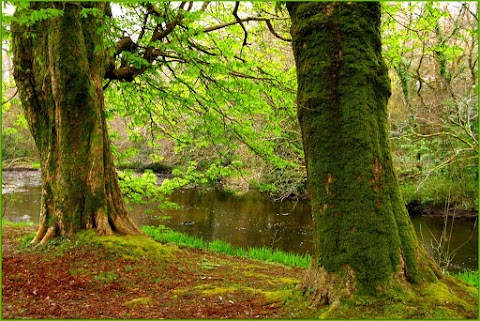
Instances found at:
x=59 y=69
x=364 y=239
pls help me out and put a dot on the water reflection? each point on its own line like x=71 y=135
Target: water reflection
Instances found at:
x=247 y=221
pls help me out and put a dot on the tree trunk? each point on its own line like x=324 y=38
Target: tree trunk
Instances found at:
x=363 y=237
x=59 y=69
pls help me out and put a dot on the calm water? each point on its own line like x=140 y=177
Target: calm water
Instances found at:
x=250 y=220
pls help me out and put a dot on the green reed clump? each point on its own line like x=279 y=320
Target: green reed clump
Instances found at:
x=470 y=277
x=164 y=234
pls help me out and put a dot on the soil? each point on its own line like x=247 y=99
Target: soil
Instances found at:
x=86 y=281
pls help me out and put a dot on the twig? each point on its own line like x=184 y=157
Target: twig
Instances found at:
x=11 y=98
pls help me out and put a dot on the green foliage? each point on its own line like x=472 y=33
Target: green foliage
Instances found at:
x=16 y=138
x=219 y=110
x=30 y=16
x=94 y=12
x=164 y=234
x=144 y=189
x=470 y=277
x=230 y=109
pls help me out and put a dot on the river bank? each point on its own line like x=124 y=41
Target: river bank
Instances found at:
x=414 y=207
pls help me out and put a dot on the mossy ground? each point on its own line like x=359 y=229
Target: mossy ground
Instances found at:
x=135 y=277
x=449 y=299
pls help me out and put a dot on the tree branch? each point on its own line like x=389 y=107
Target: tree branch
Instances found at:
x=267 y=21
x=11 y=98
x=239 y=21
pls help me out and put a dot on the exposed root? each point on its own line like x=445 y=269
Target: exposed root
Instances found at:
x=39 y=236
x=51 y=233
x=102 y=225
x=125 y=225
x=44 y=235
x=326 y=288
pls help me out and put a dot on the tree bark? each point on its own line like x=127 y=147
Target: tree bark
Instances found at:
x=59 y=69
x=364 y=239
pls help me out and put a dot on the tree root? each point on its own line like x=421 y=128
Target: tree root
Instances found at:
x=44 y=235
x=326 y=288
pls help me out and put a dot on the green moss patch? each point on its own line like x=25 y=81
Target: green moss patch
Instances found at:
x=132 y=247
x=134 y=303
x=437 y=300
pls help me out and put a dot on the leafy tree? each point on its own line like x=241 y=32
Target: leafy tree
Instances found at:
x=223 y=110
x=76 y=54
x=59 y=60
x=364 y=240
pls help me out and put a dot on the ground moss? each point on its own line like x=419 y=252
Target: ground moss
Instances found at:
x=289 y=281
x=216 y=290
x=255 y=274
x=138 y=302
x=430 y=300
x=132 y=247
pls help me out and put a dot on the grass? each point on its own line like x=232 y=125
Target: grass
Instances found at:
x=470 y=277
x=16 y=224
x=164 y=234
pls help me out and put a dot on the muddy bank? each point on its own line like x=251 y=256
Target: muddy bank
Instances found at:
x=416 y=208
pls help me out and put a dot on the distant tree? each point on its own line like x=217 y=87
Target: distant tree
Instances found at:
x=364 y=240
x=433 y=49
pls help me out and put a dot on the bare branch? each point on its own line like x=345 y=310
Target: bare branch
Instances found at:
x=11 y=98
x=204 y=6
x=239 y=21
x=267 y=20
x=270 y=27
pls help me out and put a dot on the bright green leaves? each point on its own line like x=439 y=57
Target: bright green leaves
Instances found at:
x=218 y=102
x=144 y=190
x=29 y=17
x=91 y=13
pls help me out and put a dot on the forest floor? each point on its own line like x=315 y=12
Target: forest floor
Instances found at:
x=86 y=280
x=91 y=277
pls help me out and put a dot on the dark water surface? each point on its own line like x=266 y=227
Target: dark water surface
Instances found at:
x=250 y=220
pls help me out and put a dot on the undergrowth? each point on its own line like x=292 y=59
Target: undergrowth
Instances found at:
x=470 y=277
x=164 y=234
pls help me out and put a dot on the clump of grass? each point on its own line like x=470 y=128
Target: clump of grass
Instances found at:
x=470 y=277
x=164 y=234
x=16 y=224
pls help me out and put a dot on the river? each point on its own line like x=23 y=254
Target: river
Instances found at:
x=249 y=220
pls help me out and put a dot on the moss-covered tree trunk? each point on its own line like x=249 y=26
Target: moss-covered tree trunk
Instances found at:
x=59 y=69
x=364 y=239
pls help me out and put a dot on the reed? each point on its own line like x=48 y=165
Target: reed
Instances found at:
x=470 y=277
x=166 y=235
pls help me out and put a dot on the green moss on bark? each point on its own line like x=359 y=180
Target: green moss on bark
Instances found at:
x=64 y=105
x=360 y=222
